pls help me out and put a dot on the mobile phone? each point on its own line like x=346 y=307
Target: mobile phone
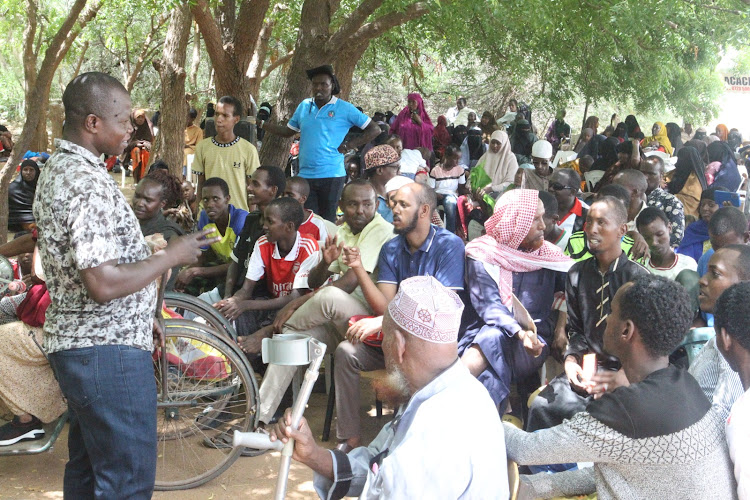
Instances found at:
x=721 y=196
x=589 y=366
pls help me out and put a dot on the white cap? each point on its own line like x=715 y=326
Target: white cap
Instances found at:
x=426 y=309
x=542 y=149
x=397 y=183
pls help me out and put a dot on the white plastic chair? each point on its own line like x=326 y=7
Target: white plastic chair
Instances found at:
x=592 y=178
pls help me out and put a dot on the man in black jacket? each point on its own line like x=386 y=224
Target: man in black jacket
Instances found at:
x=589 y=290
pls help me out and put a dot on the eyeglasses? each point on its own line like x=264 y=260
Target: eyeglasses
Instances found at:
x=556 y=186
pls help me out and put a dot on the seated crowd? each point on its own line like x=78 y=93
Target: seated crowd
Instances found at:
x=463 y=258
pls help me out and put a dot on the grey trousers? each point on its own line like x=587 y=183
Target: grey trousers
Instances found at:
x=324 y=317
x=349 y=360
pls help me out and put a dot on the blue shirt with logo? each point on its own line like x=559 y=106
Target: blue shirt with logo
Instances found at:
x=321 y=133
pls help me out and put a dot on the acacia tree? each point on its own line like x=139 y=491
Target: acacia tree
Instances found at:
x=38 y=85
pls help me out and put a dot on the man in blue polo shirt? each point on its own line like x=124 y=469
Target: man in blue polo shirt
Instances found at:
x=419 y=249
x=322 y=122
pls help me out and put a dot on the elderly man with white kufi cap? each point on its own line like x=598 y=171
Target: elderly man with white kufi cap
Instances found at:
x=425 y=451
x=541 y=157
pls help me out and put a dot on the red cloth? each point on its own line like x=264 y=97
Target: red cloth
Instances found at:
x=110 y=163
x=442 y=135
x=33 y=308
x=506 y=229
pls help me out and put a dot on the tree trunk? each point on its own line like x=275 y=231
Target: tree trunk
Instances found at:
x=275 y=149
x=230 y=44
x=172 y=72
x=346 y=63
x=196 y=57
x=38 y=96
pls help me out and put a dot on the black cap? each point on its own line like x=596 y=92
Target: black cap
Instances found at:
x=326 y=69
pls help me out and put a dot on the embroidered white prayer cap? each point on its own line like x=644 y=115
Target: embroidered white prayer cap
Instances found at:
x=427 y=309
x=397 y=183
x=541 y=149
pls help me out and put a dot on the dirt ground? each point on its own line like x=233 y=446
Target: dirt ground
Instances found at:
x=41 y=476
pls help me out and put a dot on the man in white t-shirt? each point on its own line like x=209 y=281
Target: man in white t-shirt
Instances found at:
x=732 y=324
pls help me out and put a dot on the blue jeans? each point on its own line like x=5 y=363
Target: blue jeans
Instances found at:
x=111 y=393
x=324 y=196
x=450 y=207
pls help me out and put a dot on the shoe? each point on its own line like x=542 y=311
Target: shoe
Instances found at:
x=15 y=431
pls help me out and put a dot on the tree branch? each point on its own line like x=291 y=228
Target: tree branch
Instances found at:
x=354 y=22
x=211 y=32
x=145 y=50
x=29 y=33
x=127 y=49
x=278 y=62
x=413 y=72
x=249 y=24
x=73 y=32
x=391 y=20
x=80 y=58
x=255 y=69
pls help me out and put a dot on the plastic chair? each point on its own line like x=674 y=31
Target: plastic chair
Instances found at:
x=563 y=157
x=695 y=339
x=514 y=479
x=592 y=178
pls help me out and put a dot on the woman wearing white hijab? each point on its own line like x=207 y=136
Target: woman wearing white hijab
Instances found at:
x=496 y=169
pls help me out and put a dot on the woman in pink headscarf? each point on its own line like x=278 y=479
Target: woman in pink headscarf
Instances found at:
x=512 y=261
x=413 y=124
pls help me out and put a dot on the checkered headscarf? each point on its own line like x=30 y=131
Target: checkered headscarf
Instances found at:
x=506 y=229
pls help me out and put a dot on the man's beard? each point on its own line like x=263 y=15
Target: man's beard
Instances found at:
x=409 y=227
x=394 y=389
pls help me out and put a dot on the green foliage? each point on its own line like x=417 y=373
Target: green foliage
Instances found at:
x=650 y=56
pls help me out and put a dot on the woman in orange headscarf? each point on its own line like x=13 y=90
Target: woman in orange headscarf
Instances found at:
x=138 y=151
x=722 y=132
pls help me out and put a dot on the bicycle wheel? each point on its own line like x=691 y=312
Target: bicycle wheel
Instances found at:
x=183 y=303
x=210 y=392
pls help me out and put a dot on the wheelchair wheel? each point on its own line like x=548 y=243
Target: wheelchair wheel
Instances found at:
x=183 y=303
x=206 y=389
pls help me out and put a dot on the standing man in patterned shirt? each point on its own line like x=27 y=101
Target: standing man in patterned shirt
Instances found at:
x=100 y=275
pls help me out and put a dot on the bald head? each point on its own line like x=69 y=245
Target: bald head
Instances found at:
x=632 y=180
x=92 y=94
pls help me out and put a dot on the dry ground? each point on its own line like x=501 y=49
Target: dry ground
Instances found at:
x=41 y=476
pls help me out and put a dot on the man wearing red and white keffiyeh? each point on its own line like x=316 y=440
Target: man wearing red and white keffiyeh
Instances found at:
x=512 y=259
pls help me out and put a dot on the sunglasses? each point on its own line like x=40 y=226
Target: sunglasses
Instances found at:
x=556 y=186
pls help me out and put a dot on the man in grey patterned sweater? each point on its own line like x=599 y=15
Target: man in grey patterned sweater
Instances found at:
x=658 y=437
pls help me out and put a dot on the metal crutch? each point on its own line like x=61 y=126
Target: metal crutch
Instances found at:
x=288 y=349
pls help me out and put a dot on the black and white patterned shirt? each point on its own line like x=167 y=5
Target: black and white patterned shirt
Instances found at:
x=84 y=221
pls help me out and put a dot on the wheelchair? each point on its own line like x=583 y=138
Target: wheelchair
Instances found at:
x=205 y=388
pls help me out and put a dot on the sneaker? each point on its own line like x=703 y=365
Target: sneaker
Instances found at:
x=15 y=431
